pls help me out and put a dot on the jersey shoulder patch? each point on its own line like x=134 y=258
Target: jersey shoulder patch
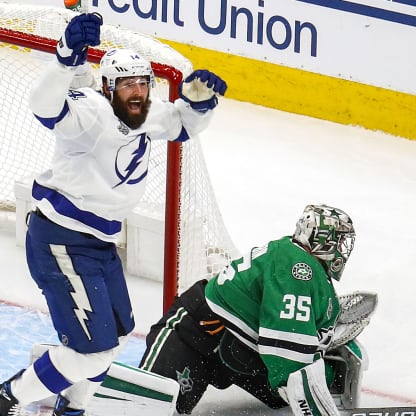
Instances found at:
x=302 y=271
x=76 y=94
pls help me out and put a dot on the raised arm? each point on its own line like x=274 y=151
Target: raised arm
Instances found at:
x=47 y=97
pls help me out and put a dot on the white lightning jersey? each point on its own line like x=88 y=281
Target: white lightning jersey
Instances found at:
x=99 y=168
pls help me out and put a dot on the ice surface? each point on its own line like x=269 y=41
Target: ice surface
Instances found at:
x=265 y=166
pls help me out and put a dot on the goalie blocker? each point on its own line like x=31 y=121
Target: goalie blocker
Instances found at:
x=125 y=390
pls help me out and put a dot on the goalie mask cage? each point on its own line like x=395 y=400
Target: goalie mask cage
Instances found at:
x=178 y=190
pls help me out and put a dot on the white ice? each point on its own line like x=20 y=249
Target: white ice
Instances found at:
x=265 y=166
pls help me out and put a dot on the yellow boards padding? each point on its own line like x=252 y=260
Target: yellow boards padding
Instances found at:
x=308 y=93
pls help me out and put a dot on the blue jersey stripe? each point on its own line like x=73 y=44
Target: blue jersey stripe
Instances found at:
x=50 y=122
x=49 y=375
x=364 y=10
x=99 y=378
x=408 y=2
x=183 y=136
x=65 y=207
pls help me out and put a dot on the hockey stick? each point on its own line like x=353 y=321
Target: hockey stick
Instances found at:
x=366 y=411
x=381 y=411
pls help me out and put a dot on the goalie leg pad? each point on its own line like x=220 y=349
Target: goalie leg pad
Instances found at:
x=130 y=391
x=308 y=394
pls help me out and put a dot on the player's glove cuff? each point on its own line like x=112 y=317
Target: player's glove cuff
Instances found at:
x=68 y=57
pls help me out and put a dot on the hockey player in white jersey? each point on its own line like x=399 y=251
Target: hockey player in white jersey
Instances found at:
x=98 y=175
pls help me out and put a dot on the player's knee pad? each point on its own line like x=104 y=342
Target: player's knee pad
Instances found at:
x=76 y=366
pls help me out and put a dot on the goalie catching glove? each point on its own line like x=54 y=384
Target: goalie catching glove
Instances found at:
x=356 y=311
x=201 y=90
x=82 y=31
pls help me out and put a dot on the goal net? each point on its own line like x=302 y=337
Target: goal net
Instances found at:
x=178 y=195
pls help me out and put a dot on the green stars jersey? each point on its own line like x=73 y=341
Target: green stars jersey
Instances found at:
x=279 y=301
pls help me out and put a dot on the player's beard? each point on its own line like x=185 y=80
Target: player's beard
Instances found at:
x=121 y=110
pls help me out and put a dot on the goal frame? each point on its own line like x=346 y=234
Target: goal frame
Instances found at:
x=174 y=156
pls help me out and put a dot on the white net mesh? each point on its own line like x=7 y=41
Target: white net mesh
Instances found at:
x=50 y=22
x=27 y=147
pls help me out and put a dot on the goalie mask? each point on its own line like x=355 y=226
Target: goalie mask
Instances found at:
x=328 y=234
x=122 y=63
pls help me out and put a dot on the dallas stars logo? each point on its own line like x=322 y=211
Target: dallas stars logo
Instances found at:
x=184 y=380
x=302 y=271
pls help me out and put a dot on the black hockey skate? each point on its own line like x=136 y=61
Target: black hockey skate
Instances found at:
x=62 y=409
x=9 y=405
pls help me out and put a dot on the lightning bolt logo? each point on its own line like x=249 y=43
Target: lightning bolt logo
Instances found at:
x=135 y=160
x=78 y=294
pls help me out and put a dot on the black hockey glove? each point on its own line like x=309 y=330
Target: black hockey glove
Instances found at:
x=82 y=31
x=201 y=90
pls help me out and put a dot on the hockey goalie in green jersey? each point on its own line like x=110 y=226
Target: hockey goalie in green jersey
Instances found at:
x=271 y=323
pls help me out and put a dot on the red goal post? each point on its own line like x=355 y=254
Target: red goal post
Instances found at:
x=196 y=243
